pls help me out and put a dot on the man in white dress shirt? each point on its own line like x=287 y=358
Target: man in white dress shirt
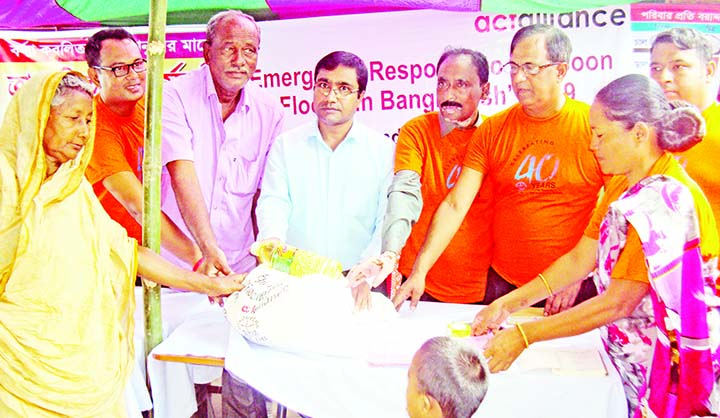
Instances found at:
x=325 y=183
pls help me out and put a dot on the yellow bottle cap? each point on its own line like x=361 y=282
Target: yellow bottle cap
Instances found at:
x=459 y=329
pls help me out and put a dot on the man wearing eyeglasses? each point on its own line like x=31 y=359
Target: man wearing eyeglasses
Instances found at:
x=325 y=183
x=544 y=178
x=117 y=67
x=428 y=161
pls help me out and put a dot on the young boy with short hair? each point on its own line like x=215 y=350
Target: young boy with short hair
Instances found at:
x=446 y=379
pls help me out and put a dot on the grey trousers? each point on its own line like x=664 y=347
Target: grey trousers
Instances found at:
x=239 y=400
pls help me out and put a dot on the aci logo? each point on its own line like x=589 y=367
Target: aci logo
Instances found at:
x=537 y=173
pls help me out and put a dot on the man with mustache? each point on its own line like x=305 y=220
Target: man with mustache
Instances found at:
x=681 y=61
x=217 y=131
x=325 y=183
x=544 y=178
x=428 y=161
x=117 y=67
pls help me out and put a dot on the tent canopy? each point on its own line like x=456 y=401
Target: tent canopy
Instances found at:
x=70 y=14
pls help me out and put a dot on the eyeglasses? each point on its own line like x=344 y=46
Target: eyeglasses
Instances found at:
x=124 y=69
x=343 y=90
x=528 y=68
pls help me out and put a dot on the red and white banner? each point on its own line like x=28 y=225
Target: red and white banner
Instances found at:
x=648 y=19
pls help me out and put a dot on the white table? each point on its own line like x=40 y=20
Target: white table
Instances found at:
x=176 y=307
x=331 y=387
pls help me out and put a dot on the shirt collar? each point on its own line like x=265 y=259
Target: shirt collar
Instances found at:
x=352 y=135
x=212 y=93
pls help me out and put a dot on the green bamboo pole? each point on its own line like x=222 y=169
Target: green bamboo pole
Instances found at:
x=152 y=166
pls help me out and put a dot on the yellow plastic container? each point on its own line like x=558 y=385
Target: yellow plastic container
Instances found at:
x=459 y=329
x=294 y=261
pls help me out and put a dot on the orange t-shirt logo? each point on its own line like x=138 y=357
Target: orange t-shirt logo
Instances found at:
x=534 y=170
x=452 y=178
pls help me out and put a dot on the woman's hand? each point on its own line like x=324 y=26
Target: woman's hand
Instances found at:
x=216 y=266
x=225 y=285
x=490 y=318
x=502 y=350
x=563 y=299
x=153 y=267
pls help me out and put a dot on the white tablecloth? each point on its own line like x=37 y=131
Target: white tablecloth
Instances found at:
x=176 y=308
x=332 y=387
x=325 y=387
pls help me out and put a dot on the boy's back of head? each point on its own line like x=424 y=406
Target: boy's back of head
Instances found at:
x=446 y=379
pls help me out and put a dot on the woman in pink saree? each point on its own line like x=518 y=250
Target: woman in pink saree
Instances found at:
x=653 y=246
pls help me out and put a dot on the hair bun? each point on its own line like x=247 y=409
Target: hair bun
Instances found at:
x=681 y=128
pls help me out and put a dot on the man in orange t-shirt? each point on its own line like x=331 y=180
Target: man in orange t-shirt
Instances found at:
x=681 y=61
x=428 y=160
x=117 y=67
x=544 y=179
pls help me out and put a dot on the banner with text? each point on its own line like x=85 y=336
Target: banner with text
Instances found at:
x=650 y=19
x=400 y=49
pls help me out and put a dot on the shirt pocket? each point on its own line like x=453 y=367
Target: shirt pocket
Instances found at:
x=243 y=164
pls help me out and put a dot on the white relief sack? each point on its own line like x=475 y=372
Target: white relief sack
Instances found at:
x=312 y=314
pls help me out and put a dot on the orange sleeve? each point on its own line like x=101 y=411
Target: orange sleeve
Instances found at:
x=476 y=155
x=593 y=228
x=108 y=157
x=409 y=149
x=631 y=262
x=613 y=189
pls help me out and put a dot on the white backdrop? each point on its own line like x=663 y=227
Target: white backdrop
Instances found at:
x=402 y=48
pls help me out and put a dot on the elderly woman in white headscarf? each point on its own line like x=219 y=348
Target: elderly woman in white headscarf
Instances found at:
x=66 y=269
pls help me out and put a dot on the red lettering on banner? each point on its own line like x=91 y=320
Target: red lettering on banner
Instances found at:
x=413 y=72
x=175 y=71
x=16 y=81
x=681 y=13
x=389 y=100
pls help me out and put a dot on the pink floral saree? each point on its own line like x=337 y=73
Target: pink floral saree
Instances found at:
x=667 y=350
